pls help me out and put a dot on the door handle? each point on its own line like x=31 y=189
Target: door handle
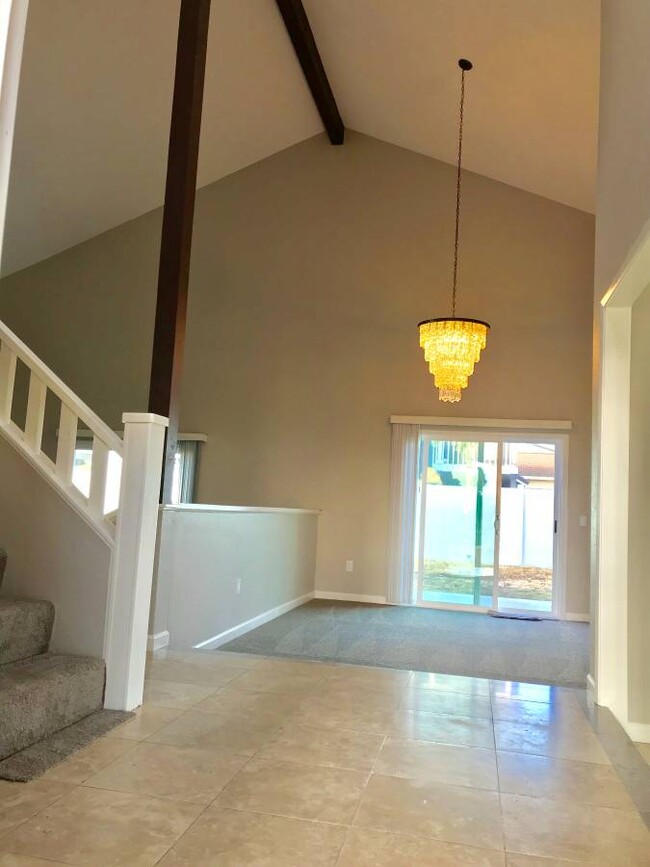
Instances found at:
x=497 y=524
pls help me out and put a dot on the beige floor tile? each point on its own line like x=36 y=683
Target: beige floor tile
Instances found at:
x=243 y=660
x=94 y=828
x=332 y=748
x=213 y=673
x=267 y=680
x=262 y=708
x=644 y=749
x=544 y=777
x=88 y=761
x=21 y=801
x=460 y=731
x=451 y=683
x=9 y=860
x=298 y=791
x=148 y=719
x=566 y=712
x=170 y=772
x=576 y=743
x=530 y=691
x=442 y=701
x=453 y=814
x=575 y=832
x=373 y=678
x=312 y=669
x=181 y=696
x=216 y=732
x=389 y=696
x=213 y=658
x=228 y=838
x=378 y=849
x=439 y=763
x=529 y=861
x=328 y=712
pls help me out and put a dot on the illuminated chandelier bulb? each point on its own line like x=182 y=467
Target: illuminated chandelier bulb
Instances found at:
x=452 y=346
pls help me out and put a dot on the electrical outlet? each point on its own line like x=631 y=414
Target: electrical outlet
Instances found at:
x=349 y=565
x=238 y=586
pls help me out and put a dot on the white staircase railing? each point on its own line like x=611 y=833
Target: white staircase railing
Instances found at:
x=130 y=531
x=28 y=441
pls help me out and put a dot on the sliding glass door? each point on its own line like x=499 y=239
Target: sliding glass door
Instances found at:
x=455 y=556
x=486 y=525
x=527 y=527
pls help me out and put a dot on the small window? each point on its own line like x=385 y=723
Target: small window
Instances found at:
x=186 y=462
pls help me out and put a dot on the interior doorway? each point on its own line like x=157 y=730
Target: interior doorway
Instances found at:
x=487 y=527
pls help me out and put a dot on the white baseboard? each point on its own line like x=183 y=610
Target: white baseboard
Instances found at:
x=638 y=732
x=158 y=640
x=577 y=618
x=253 y=623
x=349 y=597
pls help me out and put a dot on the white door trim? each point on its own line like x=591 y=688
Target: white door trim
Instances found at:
x=610 y=488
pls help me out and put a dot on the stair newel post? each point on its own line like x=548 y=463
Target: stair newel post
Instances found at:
x=129 y=594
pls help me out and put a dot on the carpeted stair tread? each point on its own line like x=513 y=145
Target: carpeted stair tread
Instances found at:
x=41 y=695
x=25 y=628
x=37 y=758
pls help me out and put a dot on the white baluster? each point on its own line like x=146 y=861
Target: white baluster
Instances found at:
x=98 y=479
x=66 y=445
x=7 y=380
x=35 y=412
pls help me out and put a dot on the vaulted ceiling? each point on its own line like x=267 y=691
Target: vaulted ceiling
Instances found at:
x=96 y=84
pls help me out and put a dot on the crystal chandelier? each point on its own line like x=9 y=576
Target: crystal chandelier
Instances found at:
x=452 y=346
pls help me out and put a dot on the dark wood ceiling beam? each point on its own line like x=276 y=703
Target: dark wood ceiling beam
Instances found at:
x=178 y=220
x=301 y=35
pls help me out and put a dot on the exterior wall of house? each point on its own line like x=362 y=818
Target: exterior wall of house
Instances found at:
x=310 y=272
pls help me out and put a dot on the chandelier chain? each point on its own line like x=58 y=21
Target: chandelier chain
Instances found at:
x=458 y=186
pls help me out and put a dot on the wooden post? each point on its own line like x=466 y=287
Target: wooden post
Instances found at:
x=178 y=219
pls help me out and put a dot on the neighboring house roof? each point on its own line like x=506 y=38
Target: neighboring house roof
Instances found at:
x=95 y=99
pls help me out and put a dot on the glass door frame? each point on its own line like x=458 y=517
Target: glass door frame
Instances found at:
x=501 y=436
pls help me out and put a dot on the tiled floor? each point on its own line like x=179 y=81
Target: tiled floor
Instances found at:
x=237 y=760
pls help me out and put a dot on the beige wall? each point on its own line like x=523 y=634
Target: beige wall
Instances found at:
x=52 y=554
x=242 y=565
x=638 y=588
x=623 y=186
x=623 y=212
x=309 y=274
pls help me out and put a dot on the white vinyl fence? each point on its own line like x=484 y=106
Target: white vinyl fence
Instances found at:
x=527 y=516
